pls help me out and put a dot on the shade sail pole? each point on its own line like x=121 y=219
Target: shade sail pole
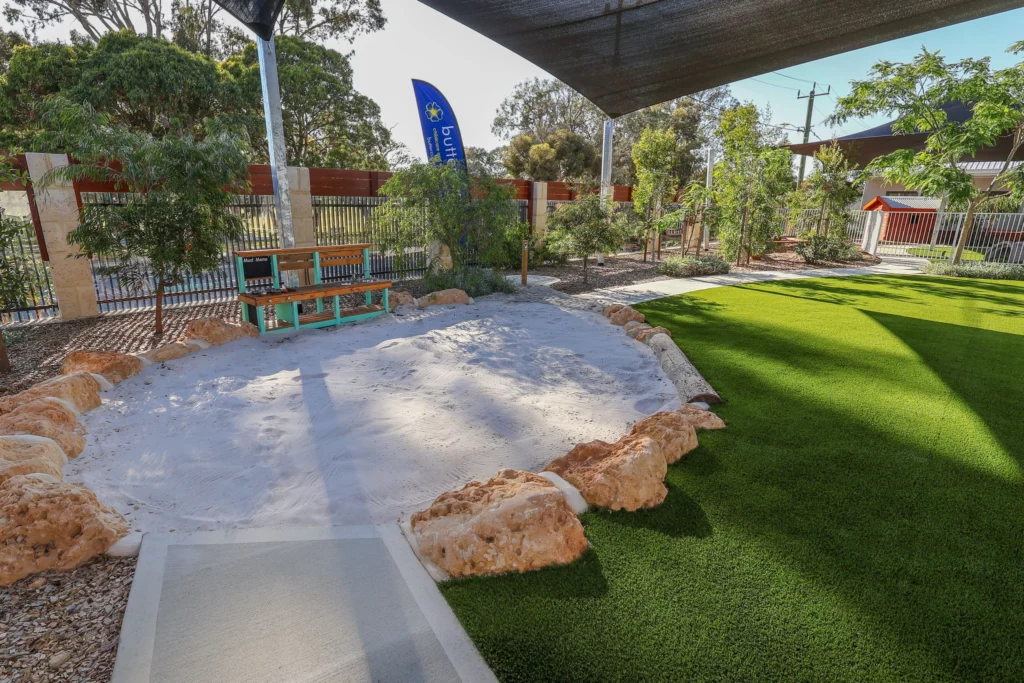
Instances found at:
x=275 y=141
x=606 y=168
x=707 y=198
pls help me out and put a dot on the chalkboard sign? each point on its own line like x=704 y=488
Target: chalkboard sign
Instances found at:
x=254 y=267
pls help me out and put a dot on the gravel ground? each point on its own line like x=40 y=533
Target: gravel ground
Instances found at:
x=64 y=626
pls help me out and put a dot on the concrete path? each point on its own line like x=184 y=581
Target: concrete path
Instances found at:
x=634 y=294
x=346 y=604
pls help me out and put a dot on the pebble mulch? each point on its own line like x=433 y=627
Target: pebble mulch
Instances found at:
x=64 y=626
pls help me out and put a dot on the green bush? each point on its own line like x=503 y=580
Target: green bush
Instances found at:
x=473 y=280
x=828 y=248
x=991 y=271
x=692 y=266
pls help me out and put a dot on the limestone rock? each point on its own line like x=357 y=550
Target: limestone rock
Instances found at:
x=80 y=389
x=644 y=335
x=674 y=434
x=626 y=475
x=515 y=522
x=26 y=454
x=701 y=419
x=168 y=352
x=635 y=329
x=217 y=332
x=625 y=315
x=116 y=367
x=611 y=309
x=48 y=417
x=51 y=525
x=396 y=299
x=443 y=298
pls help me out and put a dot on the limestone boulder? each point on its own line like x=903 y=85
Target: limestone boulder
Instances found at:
x=626 y=314
x=701 y=419
x=626 y=475
x=167 y=352
x=644 y=335
x=51 y=525
x=674 y=434
x=515 y=522
x=217 y=332
x=443 y=298
x=396 y=299
x=80 y=389
x=611 y=309
x=25 y=454
x=116 y=367
x=48 y=417
x=635 y=329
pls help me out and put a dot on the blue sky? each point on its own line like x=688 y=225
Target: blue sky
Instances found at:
x=417 y=39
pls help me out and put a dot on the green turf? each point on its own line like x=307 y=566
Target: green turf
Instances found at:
x=861 y=519
x=944 y=252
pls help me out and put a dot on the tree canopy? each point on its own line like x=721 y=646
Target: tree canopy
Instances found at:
x=916 y=92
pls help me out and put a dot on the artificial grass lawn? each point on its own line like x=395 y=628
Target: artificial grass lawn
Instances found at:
x=861 y=519
x=944 y=253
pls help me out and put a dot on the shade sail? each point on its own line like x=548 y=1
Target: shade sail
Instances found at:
x=259 y=16
x=862 y=148
x=624 y=55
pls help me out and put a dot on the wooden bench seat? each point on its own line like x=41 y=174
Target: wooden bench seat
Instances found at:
x=313 y=292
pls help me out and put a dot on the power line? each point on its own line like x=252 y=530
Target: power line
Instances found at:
x=775 y=85
x=794 y=78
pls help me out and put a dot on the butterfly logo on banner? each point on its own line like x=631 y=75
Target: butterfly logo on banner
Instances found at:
x=433 y=112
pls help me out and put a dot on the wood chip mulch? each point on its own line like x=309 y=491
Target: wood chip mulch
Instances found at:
x=64 y=626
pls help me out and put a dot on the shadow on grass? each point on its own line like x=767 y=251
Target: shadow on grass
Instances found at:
x=680 y=516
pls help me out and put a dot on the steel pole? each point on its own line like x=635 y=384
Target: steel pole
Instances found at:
x=606 y=168
x=275 y=141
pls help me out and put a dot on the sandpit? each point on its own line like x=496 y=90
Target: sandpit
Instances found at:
x=365 y=423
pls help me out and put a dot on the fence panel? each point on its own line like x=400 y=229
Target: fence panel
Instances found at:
x=219 y=284
x=40 y=302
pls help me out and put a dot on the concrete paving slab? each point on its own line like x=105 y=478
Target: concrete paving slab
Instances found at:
x=291 y=606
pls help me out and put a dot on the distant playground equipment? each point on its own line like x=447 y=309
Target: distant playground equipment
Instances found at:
x=259 y=285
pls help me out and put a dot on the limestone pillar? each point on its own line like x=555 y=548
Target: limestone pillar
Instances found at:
x=58 y=214
x=302 y=207
x=540 y=210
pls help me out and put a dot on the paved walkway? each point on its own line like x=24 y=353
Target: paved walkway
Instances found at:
x=634 y=294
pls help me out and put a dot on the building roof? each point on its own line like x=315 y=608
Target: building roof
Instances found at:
x=905 y=203
x=624 y=55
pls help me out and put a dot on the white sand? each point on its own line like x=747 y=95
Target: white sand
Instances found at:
x=364 y=423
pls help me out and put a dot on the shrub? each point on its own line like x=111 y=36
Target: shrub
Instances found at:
x=693 y=266
x=473 y=280
x=584 y=227
x=979 y=269
x=828 y=248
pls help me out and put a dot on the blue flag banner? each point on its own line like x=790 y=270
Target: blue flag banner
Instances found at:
x=440 y=128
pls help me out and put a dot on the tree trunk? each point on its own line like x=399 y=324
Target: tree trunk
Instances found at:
x=965 y=234
x=160 y=307
x=5 y=362
x=743 y=234
x=585 y=259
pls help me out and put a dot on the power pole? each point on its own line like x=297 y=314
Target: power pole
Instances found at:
x=807 y=126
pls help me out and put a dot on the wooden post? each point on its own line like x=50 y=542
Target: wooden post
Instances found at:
x=526 y=260
x=5 y=362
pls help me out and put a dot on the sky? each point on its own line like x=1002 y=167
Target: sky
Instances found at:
x=417 y=38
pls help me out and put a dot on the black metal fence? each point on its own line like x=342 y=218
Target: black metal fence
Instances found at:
x=40 y=302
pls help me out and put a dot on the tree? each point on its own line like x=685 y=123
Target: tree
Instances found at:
x=541 y=107
x=917 y=92
x=583 y=228
x=147 y=84
x=196 y=24
x=471 y=220
x=562 y=155
x=749 y=184
x=13 y=283
x=654 y=156
x=8 y=41
x=326 y=121
x=480 y=162
x=833 y=188
x=176 y=217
